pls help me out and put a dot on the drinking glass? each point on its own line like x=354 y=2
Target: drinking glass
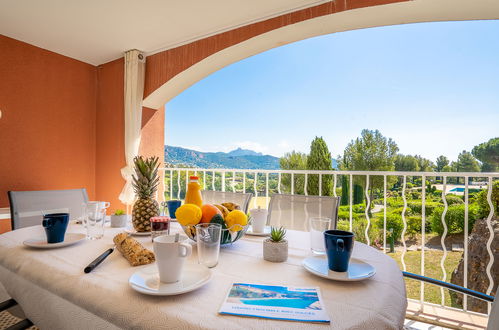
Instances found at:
x=94 y=219
x=317 y=228
x=208 y=242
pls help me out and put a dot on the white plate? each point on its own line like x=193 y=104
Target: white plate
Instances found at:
x=358 y=270
x=147 y=281
x=133 y=232
x=41 y=243
x=266 y=232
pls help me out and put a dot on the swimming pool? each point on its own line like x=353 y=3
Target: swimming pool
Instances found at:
x=288 y=302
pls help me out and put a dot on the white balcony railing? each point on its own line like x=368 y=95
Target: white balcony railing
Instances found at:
x=263 y=183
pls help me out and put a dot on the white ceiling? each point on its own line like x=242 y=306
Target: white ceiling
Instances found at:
x=98 y=31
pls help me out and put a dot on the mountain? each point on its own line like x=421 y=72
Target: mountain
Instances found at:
x=244 y=152
x=239 y=158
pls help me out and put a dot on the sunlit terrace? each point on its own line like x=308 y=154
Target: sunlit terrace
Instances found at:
x=90 y=213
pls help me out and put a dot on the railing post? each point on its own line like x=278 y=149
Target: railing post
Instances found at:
x=255 y=187
x=368 y=203
x=384 y=213
x=244 y=182
x=465 y=255
x=267 y=189
x=402 y=236
x=351 y=201
x=423 y=235
x=442 y=238
x=223 y=180
x=233 y=181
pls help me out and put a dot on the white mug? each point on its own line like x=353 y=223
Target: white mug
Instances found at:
x=259 y=219
x=170 y=256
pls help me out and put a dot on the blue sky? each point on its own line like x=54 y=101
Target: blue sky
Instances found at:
x=432 y=87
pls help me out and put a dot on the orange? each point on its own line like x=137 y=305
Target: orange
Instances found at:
x=209 y=211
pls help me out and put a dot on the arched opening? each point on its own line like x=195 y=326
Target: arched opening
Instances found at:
x=373 y=16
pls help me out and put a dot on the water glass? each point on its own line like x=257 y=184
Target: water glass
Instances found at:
x=317 y=228
x=208 y=242
x=94 y=216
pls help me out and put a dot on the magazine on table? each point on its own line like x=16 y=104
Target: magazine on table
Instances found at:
x=275 y=302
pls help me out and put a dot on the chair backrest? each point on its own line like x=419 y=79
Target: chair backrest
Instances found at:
x=27 y=207
x=218 y=197
x=293 y=211
x=493 y=323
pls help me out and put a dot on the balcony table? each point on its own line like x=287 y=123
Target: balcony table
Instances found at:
x=55 y=293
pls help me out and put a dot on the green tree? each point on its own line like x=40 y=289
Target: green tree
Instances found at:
x=466 y=163
x=371 y=152
x=442 y=161
x=425 y=165
x=488 y=154
x=406 y=163
x=293 y=160
x=319 y=159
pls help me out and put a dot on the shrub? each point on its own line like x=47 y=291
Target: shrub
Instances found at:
x=359 y=230
x=345 y=215
x=393 y=220
x=417 y=206
x=454 y=218
x=483 y=204
x=453 y=199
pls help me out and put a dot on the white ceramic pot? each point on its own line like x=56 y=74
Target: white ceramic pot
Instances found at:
x=119 y=221
x=275 y=251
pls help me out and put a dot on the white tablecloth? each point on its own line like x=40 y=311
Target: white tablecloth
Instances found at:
x=55 y=293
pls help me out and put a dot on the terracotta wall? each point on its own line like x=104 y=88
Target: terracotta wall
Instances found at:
x=47 y=128
x=110 y=148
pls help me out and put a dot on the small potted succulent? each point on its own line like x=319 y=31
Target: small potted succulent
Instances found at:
x=119 y=219
x=275 y=248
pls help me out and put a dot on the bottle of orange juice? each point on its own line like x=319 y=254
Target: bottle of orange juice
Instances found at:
x=193 y=194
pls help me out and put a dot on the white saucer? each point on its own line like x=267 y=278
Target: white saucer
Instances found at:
x=358 y=270
x=147 y=281
x=133 y=232
x=266 y=232
x=41 y=243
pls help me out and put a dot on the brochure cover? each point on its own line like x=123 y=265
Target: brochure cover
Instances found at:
x=275 y=302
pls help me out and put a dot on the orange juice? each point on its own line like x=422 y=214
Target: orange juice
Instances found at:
x=193 y=194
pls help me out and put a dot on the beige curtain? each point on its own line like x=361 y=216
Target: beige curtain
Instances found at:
x=135 y=67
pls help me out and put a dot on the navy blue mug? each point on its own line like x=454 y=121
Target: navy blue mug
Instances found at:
x=172 y=207
x=55 y=225
x=339 y=247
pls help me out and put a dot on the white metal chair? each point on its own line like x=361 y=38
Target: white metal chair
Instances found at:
x=217 y=197
x=293 y=211
x=27 y=207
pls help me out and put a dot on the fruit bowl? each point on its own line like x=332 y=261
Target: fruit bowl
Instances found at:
x=227 y=236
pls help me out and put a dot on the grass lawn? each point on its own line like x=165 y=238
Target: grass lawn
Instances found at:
x=432 y=269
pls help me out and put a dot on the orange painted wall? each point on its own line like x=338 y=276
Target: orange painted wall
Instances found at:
x=47 y=128
x=110 y=147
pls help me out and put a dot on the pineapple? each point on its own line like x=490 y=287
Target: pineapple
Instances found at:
x=145 y=182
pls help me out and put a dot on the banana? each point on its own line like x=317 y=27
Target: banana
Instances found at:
x=231 y=206
x=222 y=209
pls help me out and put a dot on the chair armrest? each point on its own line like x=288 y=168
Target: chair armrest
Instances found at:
x=450 y=286
x=7 y=304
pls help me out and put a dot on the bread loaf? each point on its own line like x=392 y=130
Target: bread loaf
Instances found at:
x=132 y=250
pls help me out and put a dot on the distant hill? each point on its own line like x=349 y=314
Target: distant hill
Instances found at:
x=244 y=152
x=239 y=158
